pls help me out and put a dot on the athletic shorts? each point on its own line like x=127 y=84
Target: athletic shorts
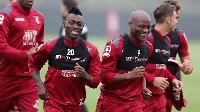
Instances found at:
x=157 y=103
x=19 y=89
x=51 y=106
x=107 y=104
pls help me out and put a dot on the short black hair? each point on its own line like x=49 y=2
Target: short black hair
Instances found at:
x=75 y=10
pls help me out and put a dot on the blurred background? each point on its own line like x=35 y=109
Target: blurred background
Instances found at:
x=95 y=13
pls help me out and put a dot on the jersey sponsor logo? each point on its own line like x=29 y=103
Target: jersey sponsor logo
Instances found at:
x=67 y=58
x=37 y=19
x=174 y=46
x=136 y=59
x=163 y=52
x=161 y=66
x=36 y=105
x=29 y=37
x=68 y=73
x=107 y=51
x=19 y=19
x=1 y=19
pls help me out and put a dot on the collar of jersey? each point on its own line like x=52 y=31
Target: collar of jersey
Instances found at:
x=21 y=10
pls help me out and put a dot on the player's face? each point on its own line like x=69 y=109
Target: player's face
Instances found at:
x=139 y=29
x=26 y=4
x=173 y=21
x=73 y=26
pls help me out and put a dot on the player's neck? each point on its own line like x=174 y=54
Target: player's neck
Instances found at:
x=73 y=39
x=162 y=28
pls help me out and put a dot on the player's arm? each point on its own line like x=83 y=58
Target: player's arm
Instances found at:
x=159 y=82
x=136 y=73
x=6 y=51
x=93 y=76
x=178 y=85
x=36 y=62
x=110 y=59
x=186 y=66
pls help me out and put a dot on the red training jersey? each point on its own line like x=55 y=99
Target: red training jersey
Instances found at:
x=20 y=30
x=63 y=87
x=179 y=44
x=127 y=90
x=158 y=70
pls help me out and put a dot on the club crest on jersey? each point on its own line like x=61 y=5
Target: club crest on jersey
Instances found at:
x=1 y=19
x=89 y=49
x=37 y=19
x=107 y=51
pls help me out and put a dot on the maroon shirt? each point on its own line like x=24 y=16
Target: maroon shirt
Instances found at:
x=20 y=30
x=158 y=70
x=63 y=85
x=182 y=47
x=127 y=90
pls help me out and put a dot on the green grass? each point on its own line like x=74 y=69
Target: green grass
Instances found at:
x=191 y=82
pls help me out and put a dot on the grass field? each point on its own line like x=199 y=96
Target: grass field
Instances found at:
x=191 y=82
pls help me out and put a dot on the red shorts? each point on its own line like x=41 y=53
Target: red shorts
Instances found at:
x=51 y=106
x=107 y=104
x=168 y=106
x=157 y=103
x=21 y=90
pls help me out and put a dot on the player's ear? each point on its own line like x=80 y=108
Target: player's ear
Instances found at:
x=64 y=23
x=168 y=19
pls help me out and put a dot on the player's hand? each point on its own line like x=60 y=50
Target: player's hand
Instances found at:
x=42 y=92
x=186 y=67
x=146 y=94
x=161 y=83
x=137 y=73
x=80 y=71
x=178 y=85
x=31 y=51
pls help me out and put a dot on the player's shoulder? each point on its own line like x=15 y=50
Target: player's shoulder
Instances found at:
x=6 y=11
x=148 y=43
x=88 y=44
x=51 y=42
x=179 y=31
x=150 y=38
x=91 y=48
x=117 y=41
x=37 y=13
